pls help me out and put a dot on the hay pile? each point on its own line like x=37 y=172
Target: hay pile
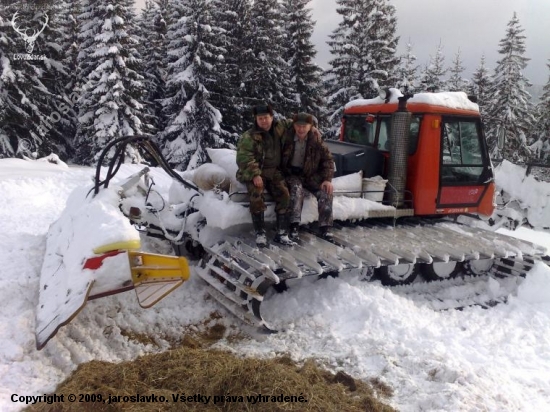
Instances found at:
x=231 y=383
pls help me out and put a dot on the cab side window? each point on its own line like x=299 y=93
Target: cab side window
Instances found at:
x=377 y=133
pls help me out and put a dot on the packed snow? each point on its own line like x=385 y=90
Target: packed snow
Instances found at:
x=476 y=359
x=453 y=100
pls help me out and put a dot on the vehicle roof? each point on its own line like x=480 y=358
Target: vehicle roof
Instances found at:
x=456 y=103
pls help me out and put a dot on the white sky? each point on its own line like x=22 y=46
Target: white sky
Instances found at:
x=474 y=26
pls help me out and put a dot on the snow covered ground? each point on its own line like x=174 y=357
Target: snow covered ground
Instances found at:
x=470 y=360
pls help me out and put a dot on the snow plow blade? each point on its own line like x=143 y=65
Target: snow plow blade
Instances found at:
x=62 y=298
x=155 y=276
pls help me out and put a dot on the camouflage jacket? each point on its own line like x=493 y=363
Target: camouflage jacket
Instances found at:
x=250 y=149
x=318 y=161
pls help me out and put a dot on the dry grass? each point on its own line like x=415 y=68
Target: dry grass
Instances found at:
x=191 y=369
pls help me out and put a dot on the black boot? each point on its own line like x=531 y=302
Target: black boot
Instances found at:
x=281 y=236
x=326 y=233
x=294 y=235
x=259 y=229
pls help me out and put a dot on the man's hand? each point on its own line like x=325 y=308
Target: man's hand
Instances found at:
x=258 y=182
x=327 y=187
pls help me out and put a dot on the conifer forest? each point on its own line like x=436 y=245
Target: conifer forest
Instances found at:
x=76 y=75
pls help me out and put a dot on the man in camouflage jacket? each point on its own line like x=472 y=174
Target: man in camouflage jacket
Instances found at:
x=307 y=164
x=259 y=159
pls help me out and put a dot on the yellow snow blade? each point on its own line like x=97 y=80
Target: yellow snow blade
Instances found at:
x=128 y=244
x=155 y=276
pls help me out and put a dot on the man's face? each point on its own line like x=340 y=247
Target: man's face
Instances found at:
x=264 y=121
x=302 y=129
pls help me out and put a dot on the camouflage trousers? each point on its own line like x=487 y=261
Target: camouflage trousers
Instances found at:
x=296 y=186
x=275 y=184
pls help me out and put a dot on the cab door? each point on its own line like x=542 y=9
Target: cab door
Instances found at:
x=465 y=168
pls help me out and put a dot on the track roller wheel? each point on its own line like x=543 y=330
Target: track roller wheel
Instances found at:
x=398 y=274
x=478 y=267
x=441 y=270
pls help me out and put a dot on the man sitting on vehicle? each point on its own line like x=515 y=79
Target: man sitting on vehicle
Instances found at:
x=307 y=164
x=259 y=160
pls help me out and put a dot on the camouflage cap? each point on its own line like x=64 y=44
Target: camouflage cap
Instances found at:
x=303 y=118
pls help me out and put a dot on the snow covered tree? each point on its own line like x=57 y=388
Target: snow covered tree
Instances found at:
x=432 y=77
x=153 y=26
x=300 y=53
x=269 y=79
x=194 y=123
x=11 y=115
x=541 y=127
x=481 y=86
x=510 y=111
x=363 y=49
x=456 y=82
x=382 y=40
x=407 y=71
x=229 y=94
x=30 y=114
x=110 y=104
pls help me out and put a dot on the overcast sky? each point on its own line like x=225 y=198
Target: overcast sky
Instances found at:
x=474 y=26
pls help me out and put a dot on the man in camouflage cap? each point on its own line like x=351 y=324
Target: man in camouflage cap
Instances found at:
x=259 y=159
x=307 y=164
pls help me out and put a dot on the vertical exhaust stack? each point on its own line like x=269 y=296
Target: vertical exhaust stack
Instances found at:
x=399 y=152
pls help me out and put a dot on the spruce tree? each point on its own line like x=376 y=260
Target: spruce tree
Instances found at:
x=481 y=86
x=194 y=123
x=432 y=78
x=269 y=79
x=510 y=112
x=341 y=78
x=12 y=116
x=456 y=82
x=153 y=23
x=407 y=71
x=110 y=104
x=541 y=127
x=363 y=48
x=300 y=55
x=30 y=115
x=236 y=62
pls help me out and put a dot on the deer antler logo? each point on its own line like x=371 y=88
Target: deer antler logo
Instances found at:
x=29 y=40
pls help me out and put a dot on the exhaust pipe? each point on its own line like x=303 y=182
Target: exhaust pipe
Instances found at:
x=399 y=152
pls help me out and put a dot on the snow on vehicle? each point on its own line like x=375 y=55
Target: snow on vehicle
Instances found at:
x=424 y=155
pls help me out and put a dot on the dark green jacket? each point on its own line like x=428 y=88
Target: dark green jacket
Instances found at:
x=250 y=149
x=318 y=161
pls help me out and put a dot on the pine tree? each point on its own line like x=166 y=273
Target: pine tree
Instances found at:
x=481 y=86
x=194 y=123
x=541 y=130
x=229 y=94
x=300 y=53
x=407 y=71
x=110 y=104
x=363 y=49
x=269 y=79
x=510 y=112
x=30 y=113
x=70 y=46
x=456 y=82
x=383 y=44
x=432 y=78
x=153 y=23
x=11 y=115
x=340 y=79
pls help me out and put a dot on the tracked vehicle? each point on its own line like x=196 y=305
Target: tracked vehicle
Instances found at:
x=431 y=150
